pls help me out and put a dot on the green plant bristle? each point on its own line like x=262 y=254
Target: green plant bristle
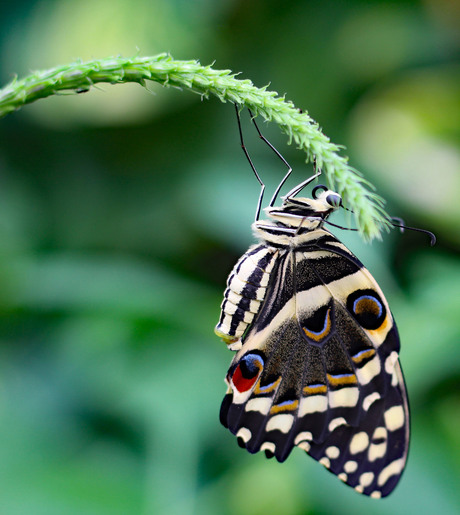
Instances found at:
x=358 y=194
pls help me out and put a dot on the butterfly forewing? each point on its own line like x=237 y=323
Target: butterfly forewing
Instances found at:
x=318 y=368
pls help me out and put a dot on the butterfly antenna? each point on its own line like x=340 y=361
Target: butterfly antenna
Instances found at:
x=399 y=222
x=403 y=226
x=340 y=226
x=288 y=166
x=262 y=185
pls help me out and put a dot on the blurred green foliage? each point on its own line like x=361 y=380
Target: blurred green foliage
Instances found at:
x=121 y=214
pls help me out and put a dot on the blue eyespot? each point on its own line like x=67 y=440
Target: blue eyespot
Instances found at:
x=367 y=308
x=247 y=372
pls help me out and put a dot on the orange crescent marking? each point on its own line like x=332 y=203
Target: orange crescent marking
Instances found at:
x=385 y=327
x=289 y=406
x=266 y=389
x=343 y=380
x=363 y=355
x=317 y=337
x=314 y=389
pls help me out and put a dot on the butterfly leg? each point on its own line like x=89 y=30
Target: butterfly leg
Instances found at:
x=302 y=185
x=262 y=185
x=289 y=167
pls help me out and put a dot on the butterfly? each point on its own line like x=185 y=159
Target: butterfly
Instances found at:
x=317 y=350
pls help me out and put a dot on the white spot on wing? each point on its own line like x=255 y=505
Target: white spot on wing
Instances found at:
x=336 y=422
x=304 y=435
x=304 y=446
x=380 y=432
x=268 y=446
x=281 y=422
x=345 y=397
x=244 y=434
x=366 y=479
x=262 y=405
x=370 y=399
x=240 y=397
x=333 y=452
x=394 y=468
x=325 y=462
x=371 y=369
x=350 y=467
x=377 y=451
x=394 y=418
x=312 y=404
x=359 y=442
x=390 y=362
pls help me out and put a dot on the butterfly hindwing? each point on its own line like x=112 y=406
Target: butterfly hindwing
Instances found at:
x=318 y=368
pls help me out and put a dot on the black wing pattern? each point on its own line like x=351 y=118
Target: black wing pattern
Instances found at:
x=319 y=369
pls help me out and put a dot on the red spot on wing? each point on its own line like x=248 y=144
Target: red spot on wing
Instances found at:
x=241 y=383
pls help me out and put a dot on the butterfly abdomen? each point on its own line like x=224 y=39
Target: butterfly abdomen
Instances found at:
x=245 y=292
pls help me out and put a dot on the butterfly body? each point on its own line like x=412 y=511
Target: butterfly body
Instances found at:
x=316 y=362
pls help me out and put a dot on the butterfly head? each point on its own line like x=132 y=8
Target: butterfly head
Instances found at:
x=305 y=212
x=329 y=198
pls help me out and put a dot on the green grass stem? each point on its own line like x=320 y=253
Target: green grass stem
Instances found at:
x=358 y=194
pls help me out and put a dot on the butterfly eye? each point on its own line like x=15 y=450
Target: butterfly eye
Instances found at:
x=334 y=200
x=315 y=190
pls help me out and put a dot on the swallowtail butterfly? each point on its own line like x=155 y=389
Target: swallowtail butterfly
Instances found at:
x=316 y=362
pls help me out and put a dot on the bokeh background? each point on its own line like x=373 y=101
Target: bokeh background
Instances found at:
x=123 y=211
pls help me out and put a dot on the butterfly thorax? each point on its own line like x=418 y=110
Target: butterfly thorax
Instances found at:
x=298 y=221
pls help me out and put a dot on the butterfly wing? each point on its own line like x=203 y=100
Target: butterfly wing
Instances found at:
x=319 y=369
